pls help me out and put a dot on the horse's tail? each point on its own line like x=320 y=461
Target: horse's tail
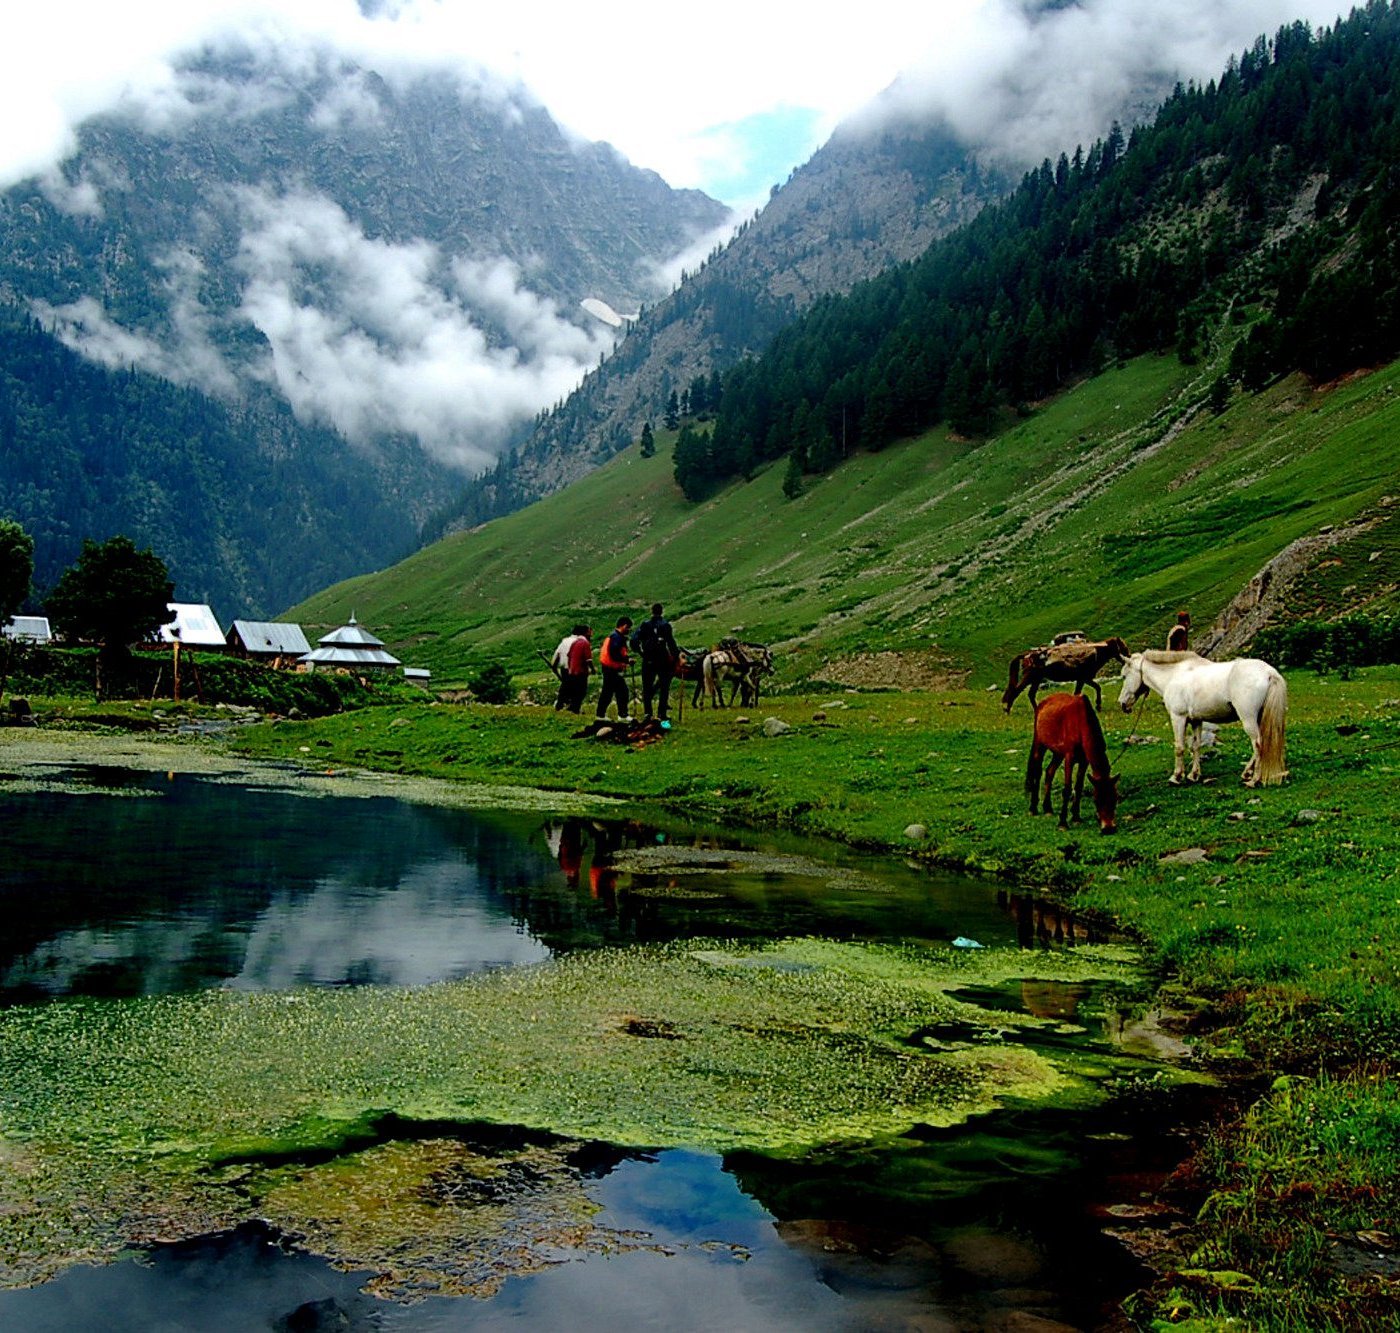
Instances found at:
x=707 y=679
x=1271 y=768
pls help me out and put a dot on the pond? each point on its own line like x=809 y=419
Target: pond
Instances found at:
x=277 y=1058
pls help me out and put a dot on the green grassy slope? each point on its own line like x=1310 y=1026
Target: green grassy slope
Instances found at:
x=1106 y=510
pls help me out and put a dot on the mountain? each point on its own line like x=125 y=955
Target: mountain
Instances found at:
x=1198 y=416
x=248 y=508
x=905 y=170
x=401 y=261
x=866 y=200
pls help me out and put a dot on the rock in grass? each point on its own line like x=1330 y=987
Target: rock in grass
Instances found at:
x=1188 y=856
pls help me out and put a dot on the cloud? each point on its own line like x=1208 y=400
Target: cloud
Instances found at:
x=660 y=83
x=191 y=356
x=1024 y=82
x=376 y=337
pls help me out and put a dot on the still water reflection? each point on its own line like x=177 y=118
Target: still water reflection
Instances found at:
x=182 y=882
x=125 y=884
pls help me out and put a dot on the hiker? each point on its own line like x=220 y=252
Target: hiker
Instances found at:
x=614 y=659
x=578 y=666
x=657 y=646
x=1180 y=633
x=559 y=664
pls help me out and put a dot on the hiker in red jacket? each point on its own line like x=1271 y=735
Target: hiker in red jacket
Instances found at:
x=578 y=665
x=614 y=658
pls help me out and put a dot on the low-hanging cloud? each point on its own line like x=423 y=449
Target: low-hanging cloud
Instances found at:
x=1024 y=81
x=378 y=337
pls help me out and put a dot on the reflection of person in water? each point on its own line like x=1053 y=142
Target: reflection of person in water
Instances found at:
x=570 y=851
x=602 y=878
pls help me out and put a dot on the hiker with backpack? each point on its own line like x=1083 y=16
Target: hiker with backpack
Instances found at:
x=656 y=645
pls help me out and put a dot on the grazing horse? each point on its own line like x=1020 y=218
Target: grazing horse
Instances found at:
x=1247 y=691
x=1077 y=661
x=743 y=663
x=1067 y=727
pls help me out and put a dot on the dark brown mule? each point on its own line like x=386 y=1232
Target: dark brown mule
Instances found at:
x=1079 y=662
x=1067 y=727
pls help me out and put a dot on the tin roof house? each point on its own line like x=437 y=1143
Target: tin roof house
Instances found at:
x=27 y=629
x=192 y=624
x=353 y=647
x=275 y=641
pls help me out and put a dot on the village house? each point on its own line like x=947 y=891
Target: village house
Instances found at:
x=28 y=629
x=279 y=643
x=192 y=625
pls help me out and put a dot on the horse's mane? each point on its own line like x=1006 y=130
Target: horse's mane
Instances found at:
x=1165 y=656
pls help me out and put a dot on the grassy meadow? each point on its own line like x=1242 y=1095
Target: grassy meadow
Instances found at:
x=1271 y=915
x=1106 y=510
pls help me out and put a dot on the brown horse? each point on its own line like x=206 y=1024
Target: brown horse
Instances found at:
x=1078 y=661
x=1067 y=727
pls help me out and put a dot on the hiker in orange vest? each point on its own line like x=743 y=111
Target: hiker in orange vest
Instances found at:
x=613 y=658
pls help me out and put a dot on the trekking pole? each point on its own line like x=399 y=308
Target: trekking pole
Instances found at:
x=558 y=674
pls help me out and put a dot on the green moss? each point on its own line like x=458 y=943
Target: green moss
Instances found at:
x=166 y=1116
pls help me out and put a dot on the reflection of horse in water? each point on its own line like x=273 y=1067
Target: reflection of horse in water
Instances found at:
x=742 y=666
x=1068 y=659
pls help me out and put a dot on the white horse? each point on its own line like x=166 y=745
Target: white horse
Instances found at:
x=1247 y=691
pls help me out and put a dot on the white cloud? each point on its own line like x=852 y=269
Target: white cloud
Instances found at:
x=376 y=337
x=655 y=81
x=1026 y=86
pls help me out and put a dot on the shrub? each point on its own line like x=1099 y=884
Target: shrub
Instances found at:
x=491 y=685
x=1336 y=645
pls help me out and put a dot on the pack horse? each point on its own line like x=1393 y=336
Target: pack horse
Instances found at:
x=742 y=665
x=1195 y=690
x=1076 y=660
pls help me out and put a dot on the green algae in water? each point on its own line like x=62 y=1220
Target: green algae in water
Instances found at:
x=160 y=1117
x=439 y=1217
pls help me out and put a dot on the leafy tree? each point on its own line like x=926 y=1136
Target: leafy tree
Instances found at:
x=16 y=567
x=113 y=594
x=648 y=441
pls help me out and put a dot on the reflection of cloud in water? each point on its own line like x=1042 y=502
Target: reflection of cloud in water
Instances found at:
x=431 y=927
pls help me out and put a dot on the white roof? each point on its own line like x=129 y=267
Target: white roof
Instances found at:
x=270 y=636
x=338 y=655
x=194 y=624
x=352 y=636
x=351 y=646
x=34 y=628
